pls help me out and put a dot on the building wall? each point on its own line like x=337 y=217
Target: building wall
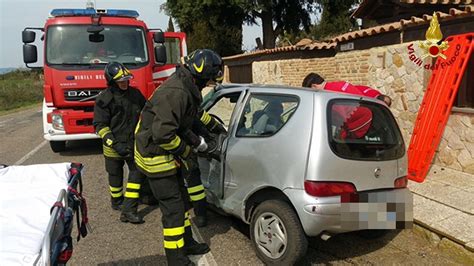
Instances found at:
x=292 y=71
x=390 y=70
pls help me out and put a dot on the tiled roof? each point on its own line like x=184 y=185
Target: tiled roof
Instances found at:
x=367 y=32
x=368 y=4
x=438 y=2
x=307 y=44
x=453 y=14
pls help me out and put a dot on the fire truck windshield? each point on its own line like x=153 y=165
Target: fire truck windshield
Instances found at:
x=72 y=45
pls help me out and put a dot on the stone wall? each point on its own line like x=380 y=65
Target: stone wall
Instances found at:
x=292 y=72
x=456 y=149
x=393 y=73
x=390 y=70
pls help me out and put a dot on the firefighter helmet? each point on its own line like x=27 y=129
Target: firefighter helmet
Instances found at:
x=115 y=71
x=205 y=65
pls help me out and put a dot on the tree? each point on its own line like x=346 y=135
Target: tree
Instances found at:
x=288 y=16
x=170 y=25
x=213 y=24
x=335 y=18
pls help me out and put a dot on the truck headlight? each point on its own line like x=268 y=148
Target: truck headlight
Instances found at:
x=57 y=121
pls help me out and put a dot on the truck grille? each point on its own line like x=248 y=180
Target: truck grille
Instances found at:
x=78 y=95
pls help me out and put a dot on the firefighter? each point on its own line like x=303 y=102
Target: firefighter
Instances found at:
x=116 y=113
x=164 y=142
x=313 y=80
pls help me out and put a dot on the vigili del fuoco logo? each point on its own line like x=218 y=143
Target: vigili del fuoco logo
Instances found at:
x=433 y=47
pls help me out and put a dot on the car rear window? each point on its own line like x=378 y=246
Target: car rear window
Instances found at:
x=362 y=130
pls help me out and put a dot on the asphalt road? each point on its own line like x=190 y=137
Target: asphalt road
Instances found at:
x=116 y=243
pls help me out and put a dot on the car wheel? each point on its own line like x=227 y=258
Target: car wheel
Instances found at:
x=372 y=234
x=58 y=146
x=276 y=233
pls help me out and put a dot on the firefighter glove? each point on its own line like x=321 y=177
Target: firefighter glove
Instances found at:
x=213 y=149
x=202 y=147
x=219 y=129
x=122 y=149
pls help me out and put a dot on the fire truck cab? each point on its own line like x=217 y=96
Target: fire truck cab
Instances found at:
x=78 y=43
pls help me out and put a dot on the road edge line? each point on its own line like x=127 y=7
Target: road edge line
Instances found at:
x=31 y=153
x=208 y=258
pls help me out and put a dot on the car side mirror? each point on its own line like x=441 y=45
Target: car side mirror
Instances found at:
x=160 y=55
x=159 y=37
x=28 y=36
x=30 y=53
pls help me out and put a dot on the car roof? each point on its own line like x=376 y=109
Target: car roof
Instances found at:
x=244 y=86
x=235 y=87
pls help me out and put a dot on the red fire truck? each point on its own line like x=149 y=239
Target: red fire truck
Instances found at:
x=78 y=43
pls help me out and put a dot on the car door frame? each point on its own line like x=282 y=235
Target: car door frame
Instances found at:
x=244 y=92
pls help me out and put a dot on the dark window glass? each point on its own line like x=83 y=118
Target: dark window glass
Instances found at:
x=363 y=131
x=465 y=96
x=173 y=51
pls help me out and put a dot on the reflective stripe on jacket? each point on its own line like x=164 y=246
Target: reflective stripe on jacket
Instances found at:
x=166 y=117
x=116 y=115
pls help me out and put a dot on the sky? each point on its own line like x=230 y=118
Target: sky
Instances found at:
x=15 y=15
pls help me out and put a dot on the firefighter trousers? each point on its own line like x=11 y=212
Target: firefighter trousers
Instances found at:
x=130 y=198
x=195 y=188
x=174 y=204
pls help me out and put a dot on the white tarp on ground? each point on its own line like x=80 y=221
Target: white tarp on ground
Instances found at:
x=27 y=194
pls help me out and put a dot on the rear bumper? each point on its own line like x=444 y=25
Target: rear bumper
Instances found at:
x=388 y=209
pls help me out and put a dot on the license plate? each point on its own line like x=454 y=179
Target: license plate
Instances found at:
x=380 y=211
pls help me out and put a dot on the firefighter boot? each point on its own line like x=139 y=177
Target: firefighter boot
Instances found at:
x=191 y=246
x=201 y=213
x=176 y=257
x=116 y=203
x=131 y=217
x=130 y=207
x=200 y=221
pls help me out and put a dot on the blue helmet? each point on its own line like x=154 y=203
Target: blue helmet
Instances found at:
x=205 y=64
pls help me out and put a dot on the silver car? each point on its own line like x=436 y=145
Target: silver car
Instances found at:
x=298 y=163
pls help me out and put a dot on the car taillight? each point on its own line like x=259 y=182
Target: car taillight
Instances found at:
x=401 y=182
x=328 y=189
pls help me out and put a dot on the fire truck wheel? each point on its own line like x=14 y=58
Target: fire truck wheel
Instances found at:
x=58 y=146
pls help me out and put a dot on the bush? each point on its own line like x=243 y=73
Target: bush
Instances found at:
x=20 y=88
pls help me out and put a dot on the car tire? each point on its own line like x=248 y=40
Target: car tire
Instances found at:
x=277 y=219
x=372 y=234
x=57 y=146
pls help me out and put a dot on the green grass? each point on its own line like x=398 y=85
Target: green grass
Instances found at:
x=20 y=88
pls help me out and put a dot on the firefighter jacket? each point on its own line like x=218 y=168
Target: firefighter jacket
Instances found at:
x=116 y=114
x=210 y=122
x=161 y=135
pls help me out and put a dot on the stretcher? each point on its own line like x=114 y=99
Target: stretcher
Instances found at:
x=37 y=208
x=436 y=105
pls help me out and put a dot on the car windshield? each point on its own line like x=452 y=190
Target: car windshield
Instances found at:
x=72 y=45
